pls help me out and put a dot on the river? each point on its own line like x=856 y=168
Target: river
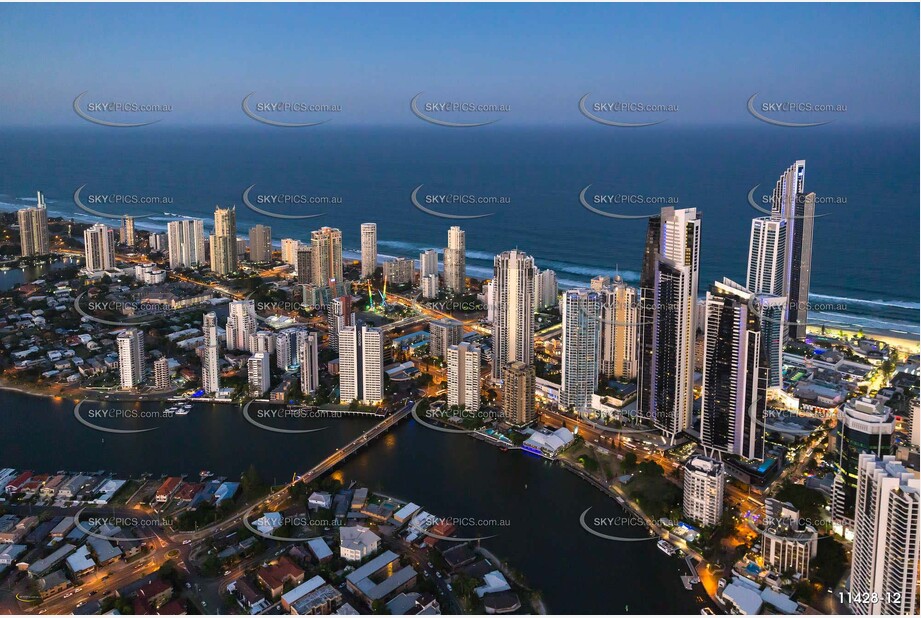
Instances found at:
x=529 y=506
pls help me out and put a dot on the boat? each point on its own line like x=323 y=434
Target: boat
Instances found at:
x=666 y=547
x=205 y=473
x=181 y=411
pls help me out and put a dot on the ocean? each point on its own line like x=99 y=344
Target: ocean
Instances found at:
x=865 y=265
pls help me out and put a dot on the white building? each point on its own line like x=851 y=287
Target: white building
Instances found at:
x=788 y=543
x=289 y=247
x=443 y=334
x=464 y=376
x=361 y=364
x=224 y=249
x=186 y=240
x=99 y=243
x=398 y=271
x=704 y=482
x=581 y=340
x=210 y=366
x=428 y=263
x=258 y=371
x=430 y=286
x=308 y=350
x=368 y=249
x=546 y=290
x=513 y=327
x=326 y=256
x=130 y=357
x=766 y=251
x=455 y=256
x=357 y=542
x=884 y=564
x=286 y=349
x=241 y=323
x=161 y=374
x=33 y=229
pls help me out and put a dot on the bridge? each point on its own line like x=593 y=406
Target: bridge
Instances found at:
x=281 y=494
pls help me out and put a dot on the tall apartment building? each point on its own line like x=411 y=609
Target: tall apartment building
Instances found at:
x=788 y=542
x=308 y=351
x=546 y=290
x=361 y=364
x=734 y=375
x=704 y=483
x=161 y=379
x=792 y=205
x=464 y=376
x=126 y=235
x=210 y=361
x=159 y=242
x=398 y=271
x=224 y=250
x=304 y=265
x=513 y=326
x=186 y=240
x=338 y=316
x=130 y=343
x=429 y=285
x=619 y=330
x=455 y=256
x=99 y=246
x=241 y=323
x=259 y=373
x=368 y=249
x=668 y=317
x=428 y=263
x=884 y=562
x=443 y=334
x=326 y=256
x=260 y=244
x=289 y=247
x=581 y=341
x=865 y=425
x=518 y=393
x=33 y=229
x=286 y=349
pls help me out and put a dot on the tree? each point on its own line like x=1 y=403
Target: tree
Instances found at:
x=629 y=463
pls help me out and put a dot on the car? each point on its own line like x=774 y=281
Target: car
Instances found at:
x=203 y=604
x=68 y=595
x=706 y=612
x=431 y=566
x=188 y=585
x=93 y=593
x=226 y=573
x=450 y=588
x=187 y=541
x=79 y=589
x=438 y=574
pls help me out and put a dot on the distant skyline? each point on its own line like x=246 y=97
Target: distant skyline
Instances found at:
x=538 y=60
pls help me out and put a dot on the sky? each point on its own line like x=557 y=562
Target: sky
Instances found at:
x=537 y=59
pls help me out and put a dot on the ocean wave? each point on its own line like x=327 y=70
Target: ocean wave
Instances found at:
x=902 y=304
